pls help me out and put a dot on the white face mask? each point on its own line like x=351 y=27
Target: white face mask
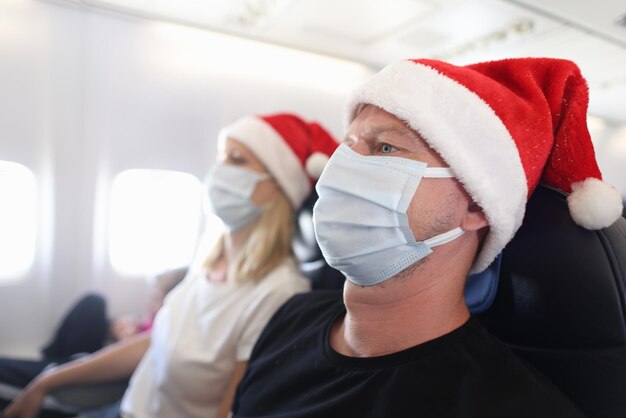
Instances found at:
x=229 y=191
x=360 y=217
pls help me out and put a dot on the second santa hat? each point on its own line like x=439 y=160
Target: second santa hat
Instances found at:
x=293 y=150
x=503 y=127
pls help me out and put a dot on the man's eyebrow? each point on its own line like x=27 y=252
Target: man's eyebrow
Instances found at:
x=404 y=133
x=380 y=132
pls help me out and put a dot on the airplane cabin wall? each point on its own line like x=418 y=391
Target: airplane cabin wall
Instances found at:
x=86 y=95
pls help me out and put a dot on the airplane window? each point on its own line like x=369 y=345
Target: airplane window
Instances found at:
x=154 y=220
x=18 y=215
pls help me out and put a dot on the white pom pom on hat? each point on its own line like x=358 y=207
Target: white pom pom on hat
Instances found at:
x=594 y=204
x=315 y=164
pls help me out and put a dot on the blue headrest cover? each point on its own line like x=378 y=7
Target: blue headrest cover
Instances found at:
x=480 y=289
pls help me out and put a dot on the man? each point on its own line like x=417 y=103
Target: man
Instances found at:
x=430 y=185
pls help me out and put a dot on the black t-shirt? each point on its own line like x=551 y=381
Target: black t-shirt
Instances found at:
x=295 y=373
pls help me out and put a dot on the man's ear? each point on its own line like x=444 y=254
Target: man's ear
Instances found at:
x=474 y=218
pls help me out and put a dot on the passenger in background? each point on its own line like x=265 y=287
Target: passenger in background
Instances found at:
x=192 y=361
x=86 y=328
x=160 y=285
x=430 y=184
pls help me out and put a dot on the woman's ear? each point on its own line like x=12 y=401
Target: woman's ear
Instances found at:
x=474 y=218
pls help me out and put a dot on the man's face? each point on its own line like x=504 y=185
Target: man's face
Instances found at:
x=438 y=204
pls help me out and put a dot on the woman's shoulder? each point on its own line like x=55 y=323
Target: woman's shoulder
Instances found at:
x=286 y=276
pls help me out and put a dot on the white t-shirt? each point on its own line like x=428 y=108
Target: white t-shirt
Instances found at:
x=199 y=334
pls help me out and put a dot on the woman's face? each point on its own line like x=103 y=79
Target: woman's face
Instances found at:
x=237 y=154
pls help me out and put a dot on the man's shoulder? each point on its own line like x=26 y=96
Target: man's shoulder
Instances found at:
x=316 y=298
x=302 y=314
x=315 y=303
x=506 y=383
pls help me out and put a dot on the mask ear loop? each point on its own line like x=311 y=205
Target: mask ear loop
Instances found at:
x=263 y=177
x=441 y=173
x=444 y=238
x=438 y=173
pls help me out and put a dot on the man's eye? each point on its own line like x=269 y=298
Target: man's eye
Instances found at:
x=386 y=148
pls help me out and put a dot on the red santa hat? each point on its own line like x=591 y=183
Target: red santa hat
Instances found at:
x=293 y=150
x=503 y=127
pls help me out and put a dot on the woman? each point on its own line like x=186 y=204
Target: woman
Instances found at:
x=191 y=362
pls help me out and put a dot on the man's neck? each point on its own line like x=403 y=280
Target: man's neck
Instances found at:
x=395 y=316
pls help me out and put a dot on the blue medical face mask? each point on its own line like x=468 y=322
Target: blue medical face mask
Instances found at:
x=229 y=191
x=360 y=217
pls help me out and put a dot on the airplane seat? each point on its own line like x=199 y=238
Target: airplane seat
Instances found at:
x=561 y=304
x=308 y=253
x=78 y=398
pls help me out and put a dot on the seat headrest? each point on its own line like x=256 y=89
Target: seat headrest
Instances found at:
x=561 y=286
x=481 y=288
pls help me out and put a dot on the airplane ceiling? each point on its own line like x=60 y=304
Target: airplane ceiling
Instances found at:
x=376 y=32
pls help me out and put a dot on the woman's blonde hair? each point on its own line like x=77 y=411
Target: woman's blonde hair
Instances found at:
x=267 y=246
